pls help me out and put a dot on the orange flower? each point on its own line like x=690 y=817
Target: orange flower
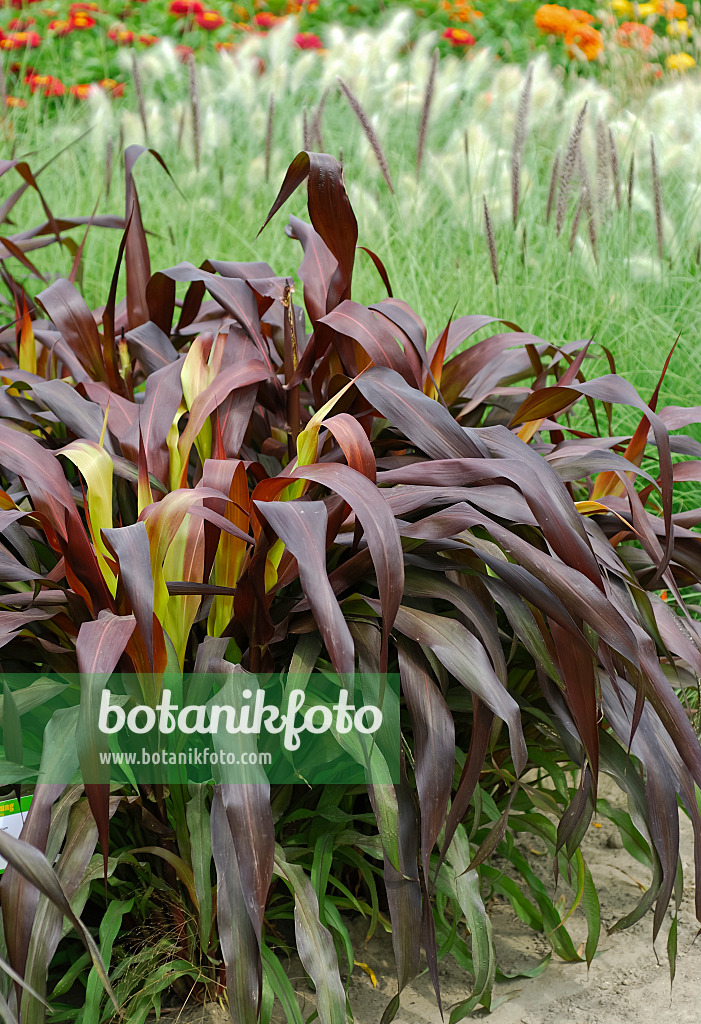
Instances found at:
x=147 y=40
x=670 y=9
x=15 y=101
x=586 y=39
x=554 y=19
x=225 y=47
x=21 y=41
x=209 y=20
x=459 y=37
x=583 y=17
x=632 y=33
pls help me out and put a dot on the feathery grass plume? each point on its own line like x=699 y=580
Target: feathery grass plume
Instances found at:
x=575 y=223
x=181 y=128
x=553 y=185
x=425 y=112
x=269 y=135
x=306 y=133
x=195 y=106
x=138 y=86
x=491 y=241
x=568 y=166
x=370 y=133
x=588 y=208
x=631 y=181
x=615 y=171
x=520 y=133
x=317 y=137
x=603 y=164
x=109 y=154
x=657 y=194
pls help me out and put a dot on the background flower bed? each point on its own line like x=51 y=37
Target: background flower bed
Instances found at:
x=640 y=301
x=65 y=48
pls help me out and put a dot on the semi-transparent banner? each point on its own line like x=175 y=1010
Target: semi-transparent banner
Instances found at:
x=232 y=727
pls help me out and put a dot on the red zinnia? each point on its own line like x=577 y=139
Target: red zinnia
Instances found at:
x=209 y=20
x=81 y=92
x=181 y=8
x=21 y=41
x=81 y=20
x=61 y=28
x=47 y=84
x=184 y=52
x=265 y=19
x=307 y=41
x=121 y=36
x=459 y=37
x=115 y=89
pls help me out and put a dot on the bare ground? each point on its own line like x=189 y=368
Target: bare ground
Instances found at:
x=625 y=985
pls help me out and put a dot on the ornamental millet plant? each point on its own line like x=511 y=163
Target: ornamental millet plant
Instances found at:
x=207 y=476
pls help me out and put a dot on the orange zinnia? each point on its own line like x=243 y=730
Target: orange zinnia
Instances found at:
x=632 y=33
x=586 y=39
x=554 y=19
x=670 y=9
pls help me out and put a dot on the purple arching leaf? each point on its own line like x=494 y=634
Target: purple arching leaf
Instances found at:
x=301 y=526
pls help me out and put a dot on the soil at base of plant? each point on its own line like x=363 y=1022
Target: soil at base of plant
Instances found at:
x=625 y=984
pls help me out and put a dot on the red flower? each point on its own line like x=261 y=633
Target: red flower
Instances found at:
x=81 y=92
x=147 y=40
x=265 y=19
x=61 y=28
x=47 y=84
x=121 y=36
x=225 y=47
x=81 y=20
x=307 y=41
x=20 y=24
x=21 y=41
x=181 y=8
x=74 y=8
x=15 y=101
x=459 y=37
x=115 y=89
x=184 y=53
x=209 y=20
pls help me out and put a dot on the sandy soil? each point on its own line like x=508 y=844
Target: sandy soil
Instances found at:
x=625 y=985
